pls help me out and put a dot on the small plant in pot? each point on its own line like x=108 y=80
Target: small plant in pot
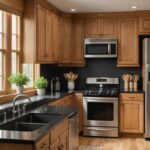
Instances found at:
x=41 y=84
x=19 y=80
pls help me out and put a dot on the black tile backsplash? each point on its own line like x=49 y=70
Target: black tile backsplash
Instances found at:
x=93 y=68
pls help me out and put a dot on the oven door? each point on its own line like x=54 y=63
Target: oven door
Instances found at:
x=100 y=111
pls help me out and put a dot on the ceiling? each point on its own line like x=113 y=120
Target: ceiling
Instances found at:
x=101 y=5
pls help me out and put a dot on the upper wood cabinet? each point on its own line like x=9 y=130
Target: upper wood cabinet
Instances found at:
x=40 y=39
x=101 y=27
x=144 y=25
x=131 y=113
x=128 y=52
x=66 y=41
x=91 y=28
x=44 y=34
x=56 y=37
x=77 y=42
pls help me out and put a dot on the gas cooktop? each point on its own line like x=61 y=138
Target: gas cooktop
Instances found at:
x=102 y=93
x=102 y=87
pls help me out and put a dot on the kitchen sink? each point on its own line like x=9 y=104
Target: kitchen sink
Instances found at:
x=22 y=126
x=39 y=118
x=30 y=122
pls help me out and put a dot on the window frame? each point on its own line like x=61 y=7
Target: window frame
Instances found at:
x=7 y=52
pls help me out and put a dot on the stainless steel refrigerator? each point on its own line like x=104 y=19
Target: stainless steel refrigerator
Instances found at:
x=146 y=61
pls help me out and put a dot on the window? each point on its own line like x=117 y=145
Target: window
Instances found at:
x=28 y=69
x=10 y=52
x=2 y=50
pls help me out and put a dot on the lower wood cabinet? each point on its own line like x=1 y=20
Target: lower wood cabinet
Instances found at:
x=131 y=113
x=73 y=100
x=59 y=137
x=43 y=144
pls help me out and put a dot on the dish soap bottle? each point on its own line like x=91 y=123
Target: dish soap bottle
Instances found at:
x=57 y=85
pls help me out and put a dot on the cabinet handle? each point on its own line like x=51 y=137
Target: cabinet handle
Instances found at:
x=132 y=97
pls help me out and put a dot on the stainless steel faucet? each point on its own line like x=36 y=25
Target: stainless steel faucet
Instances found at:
x=14 y=101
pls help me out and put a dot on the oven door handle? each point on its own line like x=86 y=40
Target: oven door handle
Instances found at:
x=97 y=129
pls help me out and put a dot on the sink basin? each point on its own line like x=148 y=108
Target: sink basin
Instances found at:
x=30 y=122
x=39 y=118
x=21 y=126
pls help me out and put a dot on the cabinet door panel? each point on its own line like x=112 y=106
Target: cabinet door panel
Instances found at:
x=49 y=56
x=78 y=42
x=64 y=141
x=109 y=27
x=91 y=27
x=56 y=41
x=128 y=53
x=131 y=117
x=144 y=25
x=55 y=145
x=66 y=42
x=41 y=33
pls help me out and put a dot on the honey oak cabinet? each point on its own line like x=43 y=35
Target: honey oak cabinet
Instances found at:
x=56 y=37
x=40 y=43
x=128 y=51
x=59 y=137
x=72 y=100
x=131 y=113
x=43 y=144
x=144 y=25
x=77 y=52
x=66 y=41
x=101 y=28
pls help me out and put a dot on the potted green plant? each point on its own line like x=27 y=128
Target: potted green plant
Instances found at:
x=41 y=84
x=19 y=80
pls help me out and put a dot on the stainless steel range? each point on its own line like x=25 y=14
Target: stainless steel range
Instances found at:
x=100 y=105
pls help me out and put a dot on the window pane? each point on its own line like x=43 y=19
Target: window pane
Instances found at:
x=13 y=63
x=28 y=70
x=1 y=66
x=14 y=24
x=14 y=42
x=1 y=21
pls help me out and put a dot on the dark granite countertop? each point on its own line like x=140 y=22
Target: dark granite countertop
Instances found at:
x=138 y=91
x=32 y=137
x=41 y=106
x=37 y=100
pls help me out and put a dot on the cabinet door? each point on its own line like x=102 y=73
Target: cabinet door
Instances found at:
x=64 y=141
x=131 y=117
x=109 y=28
x=55 y=145
x=144 y=25
x=92 y=27
x=79 y=103
x=49 y=56
x=43 y=144
x=66 y=42
x=41 y=33
x=56 y=37
x=78 y=43
x=128 y=52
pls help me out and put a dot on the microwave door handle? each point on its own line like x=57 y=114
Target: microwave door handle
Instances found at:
x=109 y=49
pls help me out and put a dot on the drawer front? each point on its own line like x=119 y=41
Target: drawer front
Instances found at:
x=132 y=97
x=56 y=132
x=43 y=144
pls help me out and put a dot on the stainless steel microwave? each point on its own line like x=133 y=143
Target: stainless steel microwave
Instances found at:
x=100 y=48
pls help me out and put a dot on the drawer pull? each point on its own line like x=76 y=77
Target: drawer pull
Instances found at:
x=132 y=97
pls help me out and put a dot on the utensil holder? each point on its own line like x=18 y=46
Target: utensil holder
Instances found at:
x=71 y=85
x=126 y=85
x=135 y=86
x=131 y=85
